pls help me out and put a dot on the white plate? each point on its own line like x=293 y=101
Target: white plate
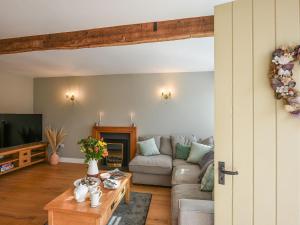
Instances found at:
x=104 y=176
x=98 y=181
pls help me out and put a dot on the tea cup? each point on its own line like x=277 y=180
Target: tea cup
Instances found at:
x=95 y=196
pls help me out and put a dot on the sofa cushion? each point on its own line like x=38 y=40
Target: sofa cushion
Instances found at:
x=207 y=159
x=205 y=206
x=156 y=164
x=207 y=182
x=148 y=147
x=165 y=145
x=197 y=152
x=208 y=141
x=186 y=191
x=183 y=140
x=186 y=174
x=182 y=151
x=196 y=212
x=147 y=137
x=209 y=156
x=178 y=162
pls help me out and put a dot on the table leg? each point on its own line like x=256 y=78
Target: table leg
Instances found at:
x=127 y=193
x=50 y=217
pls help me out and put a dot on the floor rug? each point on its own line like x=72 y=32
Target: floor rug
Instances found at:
x=133 y=214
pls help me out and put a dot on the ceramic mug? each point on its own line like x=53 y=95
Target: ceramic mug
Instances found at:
x=95 y=196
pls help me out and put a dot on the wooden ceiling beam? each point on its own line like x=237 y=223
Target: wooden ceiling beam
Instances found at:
x=113 y=36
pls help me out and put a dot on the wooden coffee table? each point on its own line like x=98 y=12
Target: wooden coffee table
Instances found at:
x=64 y=210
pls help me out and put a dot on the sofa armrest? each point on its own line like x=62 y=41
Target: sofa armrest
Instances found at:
x=196 y=212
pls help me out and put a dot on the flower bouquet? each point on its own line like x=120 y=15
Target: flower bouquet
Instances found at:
x=94 y=150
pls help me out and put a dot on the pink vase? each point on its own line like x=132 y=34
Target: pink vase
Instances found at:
x=54 y=159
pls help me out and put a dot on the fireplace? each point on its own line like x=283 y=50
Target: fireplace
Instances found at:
x=121 y=145
x=118 y=146
x=116 y=157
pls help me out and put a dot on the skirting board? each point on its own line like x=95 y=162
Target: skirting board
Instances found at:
x=72 y=160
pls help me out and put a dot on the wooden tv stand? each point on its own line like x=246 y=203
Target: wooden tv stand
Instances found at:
x=23 y=156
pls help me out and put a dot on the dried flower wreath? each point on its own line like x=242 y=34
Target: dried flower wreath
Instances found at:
x=282 y=80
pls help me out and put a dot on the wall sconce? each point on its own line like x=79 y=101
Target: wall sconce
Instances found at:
x=166 y=95
x=70 y=96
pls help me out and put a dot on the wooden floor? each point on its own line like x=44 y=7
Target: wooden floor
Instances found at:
x=24 y=193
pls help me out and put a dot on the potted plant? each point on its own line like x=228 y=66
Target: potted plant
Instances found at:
x=94 y=150
x=55 y=138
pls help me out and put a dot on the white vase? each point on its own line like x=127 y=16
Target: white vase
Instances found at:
x=93 y=170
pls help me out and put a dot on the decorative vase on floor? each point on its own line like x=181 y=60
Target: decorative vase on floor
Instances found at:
x=54 y=159
x=55 y=138
x=93 y=170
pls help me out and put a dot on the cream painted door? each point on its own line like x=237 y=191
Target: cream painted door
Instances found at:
x=254 y=135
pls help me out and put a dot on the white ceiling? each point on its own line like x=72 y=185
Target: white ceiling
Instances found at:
x=164 y=57
x=31 y=17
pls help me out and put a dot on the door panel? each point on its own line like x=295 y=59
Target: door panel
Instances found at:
x=288 y=128
x=242 y=113
x=264 y=114
x=223 y=110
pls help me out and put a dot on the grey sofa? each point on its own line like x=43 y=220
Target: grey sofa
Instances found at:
x=183 y=177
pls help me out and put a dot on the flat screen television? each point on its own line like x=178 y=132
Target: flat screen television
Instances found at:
x=19 y=129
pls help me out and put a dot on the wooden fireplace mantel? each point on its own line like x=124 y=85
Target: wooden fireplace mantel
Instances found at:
x=132 y=131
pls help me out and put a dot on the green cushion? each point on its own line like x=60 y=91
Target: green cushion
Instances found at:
x=182 y=151
x=197 y=152
x=148 y=147
x=207 y=183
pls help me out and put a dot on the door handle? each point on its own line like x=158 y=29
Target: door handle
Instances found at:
x=223 y=172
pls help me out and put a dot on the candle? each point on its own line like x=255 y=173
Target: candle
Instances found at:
x=100 y=117
x=131 y=117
